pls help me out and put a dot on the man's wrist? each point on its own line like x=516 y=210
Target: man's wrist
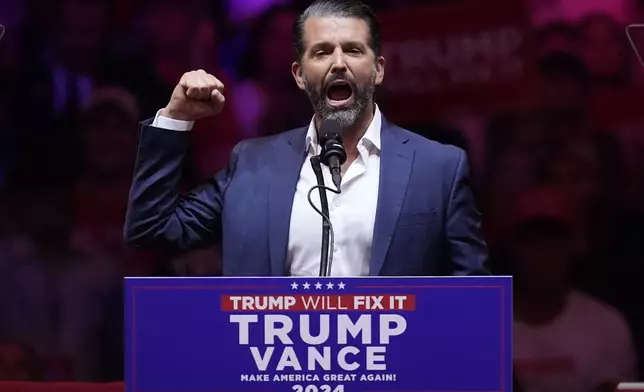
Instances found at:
x=162 y=121
x=173 y=115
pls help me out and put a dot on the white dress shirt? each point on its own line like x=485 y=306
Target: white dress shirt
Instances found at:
x=353 y=212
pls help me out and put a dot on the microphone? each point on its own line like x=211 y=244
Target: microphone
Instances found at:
x=326 y=256
x=333 y=154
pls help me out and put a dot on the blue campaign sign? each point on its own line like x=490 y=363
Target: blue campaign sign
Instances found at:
x=318 y=334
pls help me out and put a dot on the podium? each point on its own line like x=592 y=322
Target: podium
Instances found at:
x=318 y=334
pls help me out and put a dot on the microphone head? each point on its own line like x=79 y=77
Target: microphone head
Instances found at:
x=330 y=129
x=331 y=141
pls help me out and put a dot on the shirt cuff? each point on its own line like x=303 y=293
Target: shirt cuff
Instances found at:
x=170 y=123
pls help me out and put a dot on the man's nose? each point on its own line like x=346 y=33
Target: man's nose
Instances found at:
x=339 y=65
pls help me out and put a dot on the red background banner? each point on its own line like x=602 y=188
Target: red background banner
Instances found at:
x=468 y=53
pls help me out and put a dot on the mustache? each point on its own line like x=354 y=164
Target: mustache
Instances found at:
x=337 y=78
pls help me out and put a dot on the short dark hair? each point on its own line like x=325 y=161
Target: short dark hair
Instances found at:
x=338 y=8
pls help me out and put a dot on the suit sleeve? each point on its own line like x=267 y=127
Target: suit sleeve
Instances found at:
x=159 y=217
x=466 y=246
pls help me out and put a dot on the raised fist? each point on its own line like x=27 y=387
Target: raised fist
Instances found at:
x=197 y=95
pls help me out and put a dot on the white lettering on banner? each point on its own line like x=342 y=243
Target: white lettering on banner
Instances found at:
x=307 y=377
x=368 y=302
x=262 y=302
x=432 y=65
x=339 y=377
x=244 y=321
x=347 y=358
x=362 y=327
x=376 y=358
x=278 y=328
x=385 y=326
x=255 y=377
x=296 y=377
x=322 y=359
x=313 y=388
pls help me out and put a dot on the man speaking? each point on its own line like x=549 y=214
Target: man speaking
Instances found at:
x=405 y=207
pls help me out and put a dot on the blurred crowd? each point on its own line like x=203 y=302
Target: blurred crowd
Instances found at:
x=560 y=181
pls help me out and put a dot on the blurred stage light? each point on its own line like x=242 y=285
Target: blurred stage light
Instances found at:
x=635 y=34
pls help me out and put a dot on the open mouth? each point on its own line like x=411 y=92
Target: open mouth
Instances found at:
x=339 y=93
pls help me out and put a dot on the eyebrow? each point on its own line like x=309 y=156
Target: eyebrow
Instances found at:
x=322 y=44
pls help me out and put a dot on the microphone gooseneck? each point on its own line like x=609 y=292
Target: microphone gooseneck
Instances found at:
x=326 y=257
x=333 y=156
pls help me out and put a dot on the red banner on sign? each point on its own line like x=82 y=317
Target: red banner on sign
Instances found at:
x=469 y=54
x=320 y=303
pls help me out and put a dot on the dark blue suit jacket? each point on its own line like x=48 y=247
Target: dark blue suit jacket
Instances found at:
x=426 y=222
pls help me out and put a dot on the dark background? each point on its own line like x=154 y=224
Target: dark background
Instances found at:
x=545 y=95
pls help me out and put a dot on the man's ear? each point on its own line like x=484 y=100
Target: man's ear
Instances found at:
x=296 y=70
x=380 y=70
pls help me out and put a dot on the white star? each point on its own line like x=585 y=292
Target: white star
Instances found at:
x=318 y=286
x=329 y=285
x=294 y=286
x=341 y=286
x=306 y=285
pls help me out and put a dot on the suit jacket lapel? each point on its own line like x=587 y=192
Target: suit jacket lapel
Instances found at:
x=284 y=174
x=396 y=160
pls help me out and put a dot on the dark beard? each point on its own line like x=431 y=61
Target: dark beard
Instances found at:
x=345 y=116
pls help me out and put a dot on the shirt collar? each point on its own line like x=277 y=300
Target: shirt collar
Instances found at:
x=371 y=136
